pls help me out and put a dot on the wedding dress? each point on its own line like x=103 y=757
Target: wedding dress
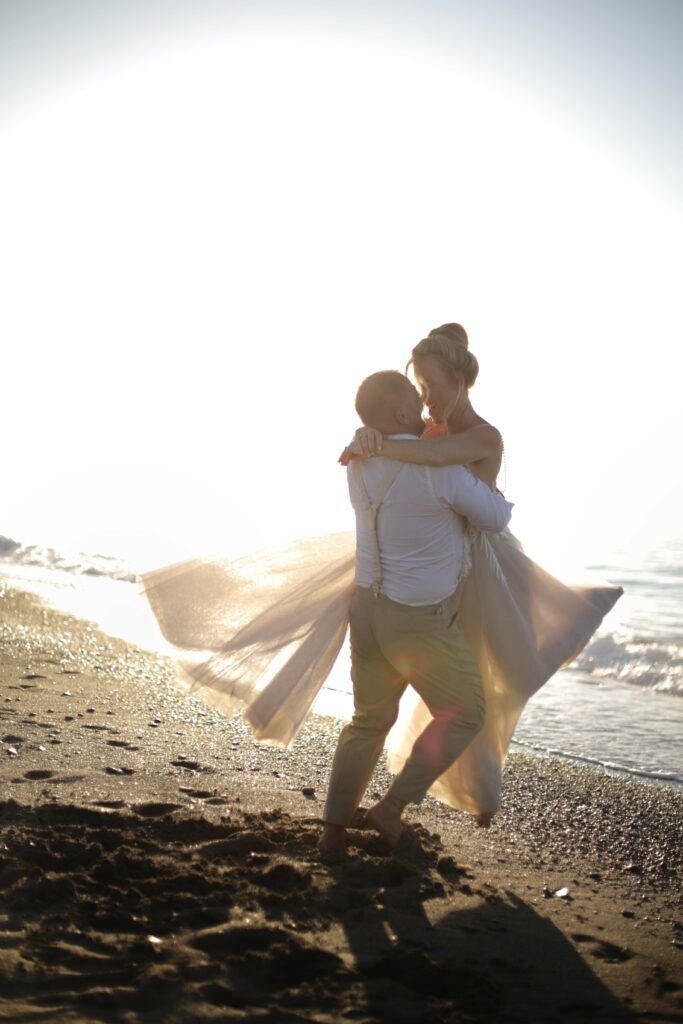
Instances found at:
x=261 y=634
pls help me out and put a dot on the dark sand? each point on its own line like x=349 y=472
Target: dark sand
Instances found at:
x=158 y=865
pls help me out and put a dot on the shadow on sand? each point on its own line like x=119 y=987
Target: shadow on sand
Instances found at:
x=143 y=915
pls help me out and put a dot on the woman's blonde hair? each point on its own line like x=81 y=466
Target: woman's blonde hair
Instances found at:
x=448 y=344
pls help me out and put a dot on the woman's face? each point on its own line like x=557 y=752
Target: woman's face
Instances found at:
x=438 y=390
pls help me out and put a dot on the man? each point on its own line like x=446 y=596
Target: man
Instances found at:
x=409 y=558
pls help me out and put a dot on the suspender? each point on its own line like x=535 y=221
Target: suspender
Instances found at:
x=372 y=508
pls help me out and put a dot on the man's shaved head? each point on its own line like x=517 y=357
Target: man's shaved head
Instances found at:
x=389 y=402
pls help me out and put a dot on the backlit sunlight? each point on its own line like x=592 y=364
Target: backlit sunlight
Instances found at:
x=210 y=248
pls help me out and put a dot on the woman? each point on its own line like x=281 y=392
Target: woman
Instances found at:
x=521 y=623
x=274 y=622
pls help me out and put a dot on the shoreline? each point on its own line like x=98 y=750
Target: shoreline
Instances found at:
x=626 y=774
x=98 y=743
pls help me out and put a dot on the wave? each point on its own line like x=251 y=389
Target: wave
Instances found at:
x=644 y=661
x=613 y=766
x=15 y=553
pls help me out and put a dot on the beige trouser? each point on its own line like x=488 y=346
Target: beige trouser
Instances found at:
x=393 y=645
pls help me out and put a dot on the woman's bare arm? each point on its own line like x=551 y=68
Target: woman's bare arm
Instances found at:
x=479 y=442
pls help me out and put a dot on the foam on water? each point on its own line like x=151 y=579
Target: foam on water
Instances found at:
x=14 y=553
x=641 y=661
x=641 y=641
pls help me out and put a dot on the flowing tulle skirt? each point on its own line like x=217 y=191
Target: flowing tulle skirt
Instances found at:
x=262 y=633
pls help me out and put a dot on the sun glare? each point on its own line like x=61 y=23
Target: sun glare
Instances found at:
x=205 y=252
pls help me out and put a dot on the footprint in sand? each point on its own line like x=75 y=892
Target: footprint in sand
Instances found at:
x=191 y=766
x=37 y=774
x=119 y=771
x=208 y=796
x=64 y=779
x=121 y=743
x=449 y=868
x=604 y=950
x=154 y=810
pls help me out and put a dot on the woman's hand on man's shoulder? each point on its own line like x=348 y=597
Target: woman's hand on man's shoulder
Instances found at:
x=366 y=443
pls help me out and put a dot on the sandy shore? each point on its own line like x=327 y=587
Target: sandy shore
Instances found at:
x=158 y=865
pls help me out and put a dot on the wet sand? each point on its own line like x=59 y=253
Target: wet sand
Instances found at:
x=156 y=864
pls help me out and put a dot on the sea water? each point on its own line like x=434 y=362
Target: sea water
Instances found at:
x=619 y=705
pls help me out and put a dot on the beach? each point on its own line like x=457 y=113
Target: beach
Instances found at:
x=157 y=864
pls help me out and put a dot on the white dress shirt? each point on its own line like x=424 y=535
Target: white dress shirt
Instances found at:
x=420 y=527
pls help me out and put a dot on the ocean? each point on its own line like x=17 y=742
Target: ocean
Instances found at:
x=619 y=706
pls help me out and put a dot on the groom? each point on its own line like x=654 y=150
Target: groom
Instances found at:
x=409 y=558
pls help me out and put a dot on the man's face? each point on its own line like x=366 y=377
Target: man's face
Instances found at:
x=413 y=406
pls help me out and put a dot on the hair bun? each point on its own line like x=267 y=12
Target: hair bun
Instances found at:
x=449 y=343
x=454 y=332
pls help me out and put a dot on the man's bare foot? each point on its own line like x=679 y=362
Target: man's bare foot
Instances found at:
x=332 y=840
x=385 y=818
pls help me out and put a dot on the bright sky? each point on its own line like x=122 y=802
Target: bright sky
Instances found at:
x=217 y=218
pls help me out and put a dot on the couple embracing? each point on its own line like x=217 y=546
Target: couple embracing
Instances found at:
x=414 y=525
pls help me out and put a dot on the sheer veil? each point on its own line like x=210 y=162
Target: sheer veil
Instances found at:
x=261 y=634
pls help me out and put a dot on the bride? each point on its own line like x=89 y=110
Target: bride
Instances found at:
x=262 y=633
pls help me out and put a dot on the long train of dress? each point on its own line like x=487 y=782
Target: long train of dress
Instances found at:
x=261 y=634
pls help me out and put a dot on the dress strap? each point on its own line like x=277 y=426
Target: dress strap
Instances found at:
x=372 y=508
